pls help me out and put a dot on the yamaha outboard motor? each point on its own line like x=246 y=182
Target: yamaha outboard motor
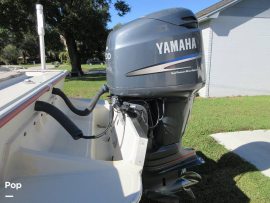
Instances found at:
x=156 y=62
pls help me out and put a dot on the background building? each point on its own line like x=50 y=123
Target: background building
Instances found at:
x=236 y=35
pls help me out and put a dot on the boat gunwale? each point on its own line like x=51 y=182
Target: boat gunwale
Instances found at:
x=28 y=100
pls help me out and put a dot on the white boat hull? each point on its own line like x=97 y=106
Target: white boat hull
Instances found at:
x=37 y=152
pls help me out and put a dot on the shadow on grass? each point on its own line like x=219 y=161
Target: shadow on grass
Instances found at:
x=87 y=77
x=218 y=184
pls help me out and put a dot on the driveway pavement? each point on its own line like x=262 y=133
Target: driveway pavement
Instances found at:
x=253 y=146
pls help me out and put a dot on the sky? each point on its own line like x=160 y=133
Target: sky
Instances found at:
x=140 y=8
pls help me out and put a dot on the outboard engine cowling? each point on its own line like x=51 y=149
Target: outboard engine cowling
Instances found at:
x=156 y=61
x=157 y=55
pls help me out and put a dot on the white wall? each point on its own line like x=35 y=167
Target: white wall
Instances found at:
x=207 y=43
x=241 y=50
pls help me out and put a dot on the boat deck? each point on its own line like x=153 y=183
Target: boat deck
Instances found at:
x=5 y=75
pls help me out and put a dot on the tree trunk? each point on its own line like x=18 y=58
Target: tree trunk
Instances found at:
x=24 y=57
x=76 y=69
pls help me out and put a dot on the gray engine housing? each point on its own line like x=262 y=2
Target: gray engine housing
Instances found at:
x=157 y=55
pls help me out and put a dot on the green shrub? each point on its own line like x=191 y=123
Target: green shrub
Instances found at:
x=64 y=57
x=9 y=54
x=56 y=64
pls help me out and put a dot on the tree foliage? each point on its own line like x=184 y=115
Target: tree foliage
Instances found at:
x=83 y=23
x=117 y=26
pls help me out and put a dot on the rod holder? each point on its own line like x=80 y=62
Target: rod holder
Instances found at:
x=41 y=33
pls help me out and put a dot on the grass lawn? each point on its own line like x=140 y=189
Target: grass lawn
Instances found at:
x=226 y=177
x=85 y=86
x=85 y=67
x=30 y=65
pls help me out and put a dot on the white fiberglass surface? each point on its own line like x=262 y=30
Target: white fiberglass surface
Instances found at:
x=52 y=167
x=16 y=94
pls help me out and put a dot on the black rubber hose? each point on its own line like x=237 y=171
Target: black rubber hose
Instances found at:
x=104 y=88
x=60 y=117
x=86 y=111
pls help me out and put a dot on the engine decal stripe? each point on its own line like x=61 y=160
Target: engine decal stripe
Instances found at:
x=163 y=67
